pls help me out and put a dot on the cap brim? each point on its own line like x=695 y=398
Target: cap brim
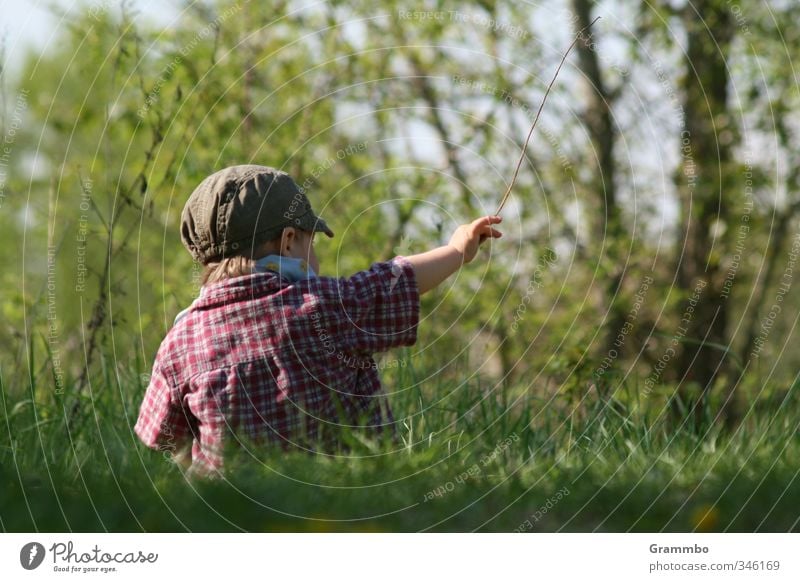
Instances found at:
x=322 y=226
x=313 y=223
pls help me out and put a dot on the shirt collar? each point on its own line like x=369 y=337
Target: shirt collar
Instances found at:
x=244 y=287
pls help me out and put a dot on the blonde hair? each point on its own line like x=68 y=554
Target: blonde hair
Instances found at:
x=227 y=268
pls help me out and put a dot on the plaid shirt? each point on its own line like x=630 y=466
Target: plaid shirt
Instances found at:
x=272 y=361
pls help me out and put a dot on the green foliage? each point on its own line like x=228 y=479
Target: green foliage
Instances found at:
x=400 y=128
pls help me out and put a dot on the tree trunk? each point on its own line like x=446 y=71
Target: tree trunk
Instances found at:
x=609 y=234
x=704 y=196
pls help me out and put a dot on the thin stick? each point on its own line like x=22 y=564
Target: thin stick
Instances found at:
x=536 y=119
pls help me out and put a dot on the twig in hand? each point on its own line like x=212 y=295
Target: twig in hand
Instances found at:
x=536 y=119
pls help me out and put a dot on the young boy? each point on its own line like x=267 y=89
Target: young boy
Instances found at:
x=270 y=352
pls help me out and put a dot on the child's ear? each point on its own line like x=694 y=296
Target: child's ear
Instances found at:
x=288 y=238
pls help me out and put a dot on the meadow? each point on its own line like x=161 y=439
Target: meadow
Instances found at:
x=621 y=360
x=474 y=457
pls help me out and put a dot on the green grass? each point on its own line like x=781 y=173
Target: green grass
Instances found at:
x=565 y=462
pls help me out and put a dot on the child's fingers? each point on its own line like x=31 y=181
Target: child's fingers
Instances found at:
x=486 y=220
x=487 y=232
x=481 y=226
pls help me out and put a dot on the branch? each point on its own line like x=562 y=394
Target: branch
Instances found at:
x=422 y=82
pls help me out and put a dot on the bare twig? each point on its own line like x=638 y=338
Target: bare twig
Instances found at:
x=538 y=113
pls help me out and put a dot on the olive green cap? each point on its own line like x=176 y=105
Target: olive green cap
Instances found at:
x=238 y=208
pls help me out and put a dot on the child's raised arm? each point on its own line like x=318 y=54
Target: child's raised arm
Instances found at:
x=434 y=266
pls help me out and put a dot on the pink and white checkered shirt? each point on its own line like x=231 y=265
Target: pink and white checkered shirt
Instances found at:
x=262 y=359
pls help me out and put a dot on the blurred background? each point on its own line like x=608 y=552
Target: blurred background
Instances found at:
x=650 y=243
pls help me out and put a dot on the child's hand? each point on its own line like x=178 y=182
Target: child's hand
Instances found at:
x=468 y=237
x=434 y=266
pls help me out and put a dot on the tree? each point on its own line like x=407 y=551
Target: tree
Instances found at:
x=704 y=192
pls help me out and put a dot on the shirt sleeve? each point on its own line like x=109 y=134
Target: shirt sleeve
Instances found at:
x=377 y=309
x=163 y=423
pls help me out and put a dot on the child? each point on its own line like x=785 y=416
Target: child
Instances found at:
x=270 y=352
